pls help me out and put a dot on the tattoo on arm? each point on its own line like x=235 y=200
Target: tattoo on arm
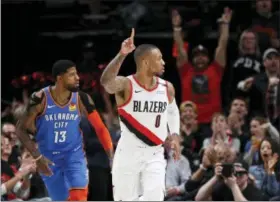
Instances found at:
x=109 y=79
x=26 y=125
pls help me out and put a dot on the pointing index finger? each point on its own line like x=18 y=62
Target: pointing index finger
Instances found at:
x=132 y=34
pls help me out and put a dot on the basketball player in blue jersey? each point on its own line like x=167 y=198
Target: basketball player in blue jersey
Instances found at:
x=53 y=117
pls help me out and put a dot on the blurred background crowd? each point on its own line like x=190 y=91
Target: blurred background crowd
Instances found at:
x=222 y=57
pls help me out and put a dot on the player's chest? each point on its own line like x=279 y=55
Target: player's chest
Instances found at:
x=149 y=102
x=61 y=115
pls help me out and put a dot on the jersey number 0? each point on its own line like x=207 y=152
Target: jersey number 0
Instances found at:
x=157 y=123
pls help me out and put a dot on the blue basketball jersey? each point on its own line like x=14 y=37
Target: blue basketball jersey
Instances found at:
x=58 y=127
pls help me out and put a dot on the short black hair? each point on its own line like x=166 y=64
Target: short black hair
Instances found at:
x=143 y=49
x=240 y=98
x=61 y=67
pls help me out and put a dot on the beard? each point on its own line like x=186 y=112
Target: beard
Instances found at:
x=158 y=74
x=73 y=89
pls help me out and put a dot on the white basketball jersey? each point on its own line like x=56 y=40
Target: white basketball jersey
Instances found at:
x=143 y=118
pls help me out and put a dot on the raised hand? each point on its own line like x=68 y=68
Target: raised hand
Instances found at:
x=218 y=169
x=209 y=157
x=176 y=18
x=272 y=162
x=230 y=181
x=273 y=81
x=128 y=44
x=248 y=83
x=26 y=169
x=255 y=143
x=226 y=17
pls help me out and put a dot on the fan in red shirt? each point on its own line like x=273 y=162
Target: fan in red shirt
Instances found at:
x=200 y=79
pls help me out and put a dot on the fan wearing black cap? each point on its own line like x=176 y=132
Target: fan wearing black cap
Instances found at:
x=53 y=116
x=266 y=88
x=237 y=187
x=200 y=79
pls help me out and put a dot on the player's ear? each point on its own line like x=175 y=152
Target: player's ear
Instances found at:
x=59 y=78
x=146 y=63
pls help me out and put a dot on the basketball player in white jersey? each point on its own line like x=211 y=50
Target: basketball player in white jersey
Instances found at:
x=148 y=117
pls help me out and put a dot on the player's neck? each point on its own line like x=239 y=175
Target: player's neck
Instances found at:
x=61 y=95
x=145 y=80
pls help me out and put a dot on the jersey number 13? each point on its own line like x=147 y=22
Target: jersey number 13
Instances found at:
x=59 y=136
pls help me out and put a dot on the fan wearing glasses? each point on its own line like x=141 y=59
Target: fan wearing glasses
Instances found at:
x=231 y=182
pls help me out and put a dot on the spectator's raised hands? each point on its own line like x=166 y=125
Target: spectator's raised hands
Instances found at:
x=234 y=122
x=255 y=143
x=27 y=161
x=246 y=84
x=230 y=181
x=272 y=162
x=209 y=157
x=26 y=169
x=273 y=81
x=218 y=169
x=226 y=17
x=176 y=18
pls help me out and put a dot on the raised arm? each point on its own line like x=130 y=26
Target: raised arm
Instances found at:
x=88 y=108
x=109 y=79
x=220 y=55
x=178 y=38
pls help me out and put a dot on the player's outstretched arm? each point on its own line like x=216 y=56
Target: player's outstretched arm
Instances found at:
x=109 y=79
x=26 y=126
x=88 y=108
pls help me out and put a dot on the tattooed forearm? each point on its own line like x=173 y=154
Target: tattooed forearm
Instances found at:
x=109 y=78
x=24 y=128
x=26 y=125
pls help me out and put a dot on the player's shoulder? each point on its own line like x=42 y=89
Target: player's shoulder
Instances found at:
x=84 y=97
x=128 y=78
x=165 y=83
x=40 y=94
x=37 y=98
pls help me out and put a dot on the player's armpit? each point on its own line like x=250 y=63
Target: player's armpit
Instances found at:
x=26 y=125
x=97 y=123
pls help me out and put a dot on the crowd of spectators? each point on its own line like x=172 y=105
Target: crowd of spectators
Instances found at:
x=230 y=152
